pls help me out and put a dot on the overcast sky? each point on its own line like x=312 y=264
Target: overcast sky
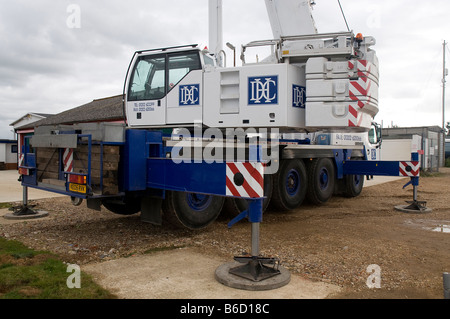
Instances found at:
x=58 y=54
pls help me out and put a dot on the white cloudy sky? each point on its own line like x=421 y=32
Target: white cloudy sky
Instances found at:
x=48 y=67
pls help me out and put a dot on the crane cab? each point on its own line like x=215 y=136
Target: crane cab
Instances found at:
x=164 y=87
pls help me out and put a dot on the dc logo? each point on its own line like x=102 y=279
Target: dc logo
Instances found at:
x=298 y=96
x=373 y=154
x=263 y=90
x=190 y=94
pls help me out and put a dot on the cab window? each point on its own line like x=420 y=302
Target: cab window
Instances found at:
x=155 y=75
x=180 y=64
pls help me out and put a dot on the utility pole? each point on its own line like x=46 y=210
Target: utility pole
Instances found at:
x=444 y=74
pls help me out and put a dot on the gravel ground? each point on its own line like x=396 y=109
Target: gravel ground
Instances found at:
x=334 y=243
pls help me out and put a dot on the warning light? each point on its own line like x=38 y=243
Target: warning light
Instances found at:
x=359 y=37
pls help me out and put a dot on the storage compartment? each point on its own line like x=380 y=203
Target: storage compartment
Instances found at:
x=341 y=95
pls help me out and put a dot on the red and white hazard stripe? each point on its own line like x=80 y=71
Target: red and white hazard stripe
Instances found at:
x=245 y=180
x=21 y=158
x=359 y=88
x=68 y=160
x=410 y=169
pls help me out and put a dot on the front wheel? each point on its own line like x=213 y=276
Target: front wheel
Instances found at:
x=191 y=210
x=353 y=185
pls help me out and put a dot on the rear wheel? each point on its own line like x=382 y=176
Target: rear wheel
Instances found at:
x=289 y=187
x=321 y=177
x=191 y=210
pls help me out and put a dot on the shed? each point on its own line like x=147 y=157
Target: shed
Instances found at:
x=430 y=140
x=8 y=154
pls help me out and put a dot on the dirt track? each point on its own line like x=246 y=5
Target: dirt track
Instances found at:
x=334 y=243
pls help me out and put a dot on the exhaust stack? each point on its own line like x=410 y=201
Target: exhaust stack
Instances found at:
x=216 y=31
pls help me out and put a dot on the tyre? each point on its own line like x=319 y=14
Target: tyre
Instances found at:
x=234 y=206
x=128 y=206
x=289 y=185
x=190 y=210
x=322 y=178
x=353 y=185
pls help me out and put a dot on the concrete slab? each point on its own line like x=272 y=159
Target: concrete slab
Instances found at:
x=11 y=189
x=163 y=275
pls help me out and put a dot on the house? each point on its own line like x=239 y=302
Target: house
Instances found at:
x=28 y=119
x=8 y=154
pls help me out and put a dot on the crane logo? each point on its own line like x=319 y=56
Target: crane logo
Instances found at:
x=298 y=96
x=190 y=94
x=263 y=90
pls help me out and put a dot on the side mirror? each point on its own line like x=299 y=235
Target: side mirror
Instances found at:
x=375 y=134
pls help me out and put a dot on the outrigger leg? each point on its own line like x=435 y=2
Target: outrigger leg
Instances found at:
x=414 y=206
x=253 y=272
x=25 y=211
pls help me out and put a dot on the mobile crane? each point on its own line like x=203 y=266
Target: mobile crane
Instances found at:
x=201 y=137
x=312 y=102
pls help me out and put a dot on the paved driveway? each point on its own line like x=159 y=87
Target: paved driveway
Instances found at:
x=12 y=191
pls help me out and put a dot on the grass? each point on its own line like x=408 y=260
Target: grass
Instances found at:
x=5 y=205
x=30 y=274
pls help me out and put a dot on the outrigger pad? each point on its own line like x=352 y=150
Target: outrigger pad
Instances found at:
x=25 y=212
x=254 y=275
x=414 y=207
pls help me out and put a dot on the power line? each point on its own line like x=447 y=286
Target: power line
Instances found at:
x=343 y=14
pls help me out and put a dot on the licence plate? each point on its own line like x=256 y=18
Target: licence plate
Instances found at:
x=77 y=188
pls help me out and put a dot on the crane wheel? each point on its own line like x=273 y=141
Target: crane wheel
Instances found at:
x=191 y=210
x=353 y=185
x=289 y=185
x=234 y=206
x=321 y=177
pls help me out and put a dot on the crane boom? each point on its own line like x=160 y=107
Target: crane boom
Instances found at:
x=290 y=18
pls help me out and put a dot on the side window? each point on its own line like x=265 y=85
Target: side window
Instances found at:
x=208 y=60
x=180 y=65
x=148 y=80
